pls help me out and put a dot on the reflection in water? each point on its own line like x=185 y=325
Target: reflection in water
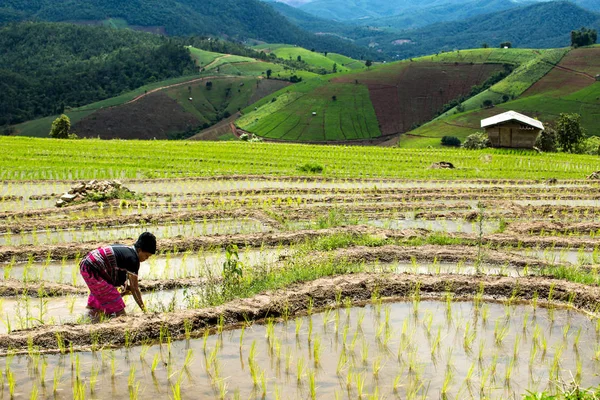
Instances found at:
x=430 y=349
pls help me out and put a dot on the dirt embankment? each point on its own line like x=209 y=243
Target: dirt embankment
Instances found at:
x=294 y=300
x=161 y=218
x=254 y=240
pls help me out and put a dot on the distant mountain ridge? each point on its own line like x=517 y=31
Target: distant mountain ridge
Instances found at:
x=536 y=25
x=347 y=10
x=239 y=19
x=543 y=25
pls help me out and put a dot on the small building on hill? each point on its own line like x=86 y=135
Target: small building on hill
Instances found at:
x=511 y=129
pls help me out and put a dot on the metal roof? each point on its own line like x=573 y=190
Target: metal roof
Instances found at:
x=511 y=116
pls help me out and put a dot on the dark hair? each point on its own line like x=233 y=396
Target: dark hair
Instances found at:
x=146 y=242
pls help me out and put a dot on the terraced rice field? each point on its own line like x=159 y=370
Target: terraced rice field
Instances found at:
x=351 y=288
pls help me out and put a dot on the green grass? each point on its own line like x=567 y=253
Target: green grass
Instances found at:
x=203 y=57
x=33 y=158
x=347 y=62
x=350 y=117
x=312 y=58
x=258 y=68
x=207 y=105
x=228 y=59
x=489 y=55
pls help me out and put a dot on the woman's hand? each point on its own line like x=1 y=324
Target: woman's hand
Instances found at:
x=135 y=291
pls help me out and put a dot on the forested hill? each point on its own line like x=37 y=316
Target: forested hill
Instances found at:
x=238 y=19
x=47 y=66
x=543 y=25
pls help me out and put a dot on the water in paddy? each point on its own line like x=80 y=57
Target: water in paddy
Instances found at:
x=187 y=229
x=558 y=256
x=194 y=264
x=439 y=225
x=428 y=349
x=27 y=312
x=25 y=204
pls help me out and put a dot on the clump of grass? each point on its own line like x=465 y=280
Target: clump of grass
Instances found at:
x=310 y=167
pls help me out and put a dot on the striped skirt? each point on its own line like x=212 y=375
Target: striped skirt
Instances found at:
x=103 y=296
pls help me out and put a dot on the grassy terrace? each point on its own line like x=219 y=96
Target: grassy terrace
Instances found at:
x=32 y=158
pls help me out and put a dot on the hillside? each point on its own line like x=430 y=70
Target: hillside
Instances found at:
x=177 y=108
x=47 y=67
x=325 y=62
x=232 y=18
x=544 y=25
x=568 y=87
x=374 y=104
x=346 y=10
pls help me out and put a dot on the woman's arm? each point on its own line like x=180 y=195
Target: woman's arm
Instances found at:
x=135 y=291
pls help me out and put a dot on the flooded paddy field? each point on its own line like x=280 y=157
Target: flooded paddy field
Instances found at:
x=345 y=288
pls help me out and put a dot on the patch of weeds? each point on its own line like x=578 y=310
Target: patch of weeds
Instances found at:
x=116 y=193
x=310 y=167
x=334 y=218
x=344 y=240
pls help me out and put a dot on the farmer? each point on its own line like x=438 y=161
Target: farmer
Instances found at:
x=107 y=268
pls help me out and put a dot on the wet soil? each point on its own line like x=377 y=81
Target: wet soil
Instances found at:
x=295 y=299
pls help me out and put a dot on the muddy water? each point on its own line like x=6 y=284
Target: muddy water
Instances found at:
x=440 y=225
x=22 y=205
x=114 y=234
x=450 y=268
x=28 y=312
x=560 y=256
x=345 y=352
x=185 y=265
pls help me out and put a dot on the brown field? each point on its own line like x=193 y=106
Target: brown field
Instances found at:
x=153 y=116
x=575 y=71
x=405 y=95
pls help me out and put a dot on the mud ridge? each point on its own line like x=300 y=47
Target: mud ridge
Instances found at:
x=41 y=253
x=429 y=253
x=160 y=218
x=295 y=299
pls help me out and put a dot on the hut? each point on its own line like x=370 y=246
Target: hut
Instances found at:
x=511 y=129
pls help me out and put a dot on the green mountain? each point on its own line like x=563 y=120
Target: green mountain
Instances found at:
x=239 y=19
x=46 y=67
x=442 y=13
x=544 y=25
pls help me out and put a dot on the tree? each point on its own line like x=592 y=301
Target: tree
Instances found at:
x=569 y=131
x=61 y=127
x=368 y=63
x=505 y=44
x=546 y=140
x=299 y=58
x=209 y=85
x=334 y=68
x=269 y=72
x=476 y=141
x=484 y=45
x=583 y=37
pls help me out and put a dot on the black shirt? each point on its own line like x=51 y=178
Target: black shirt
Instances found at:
x=127 y=261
